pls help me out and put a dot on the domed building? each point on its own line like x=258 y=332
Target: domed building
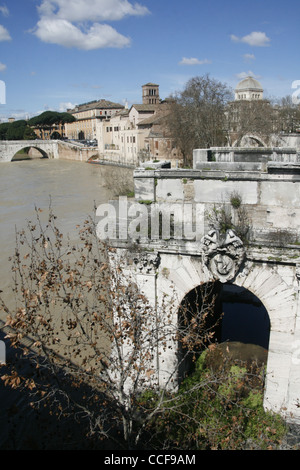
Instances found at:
x=249 y=89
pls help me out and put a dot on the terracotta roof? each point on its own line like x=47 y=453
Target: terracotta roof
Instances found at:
x=100 y=104
x=145 y=107
x=155 y=119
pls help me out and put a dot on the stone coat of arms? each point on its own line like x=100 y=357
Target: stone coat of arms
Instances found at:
x=222 y=254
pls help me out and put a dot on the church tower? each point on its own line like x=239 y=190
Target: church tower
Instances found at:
x=150 y=93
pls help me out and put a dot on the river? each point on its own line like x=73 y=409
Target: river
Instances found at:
x=72 y=187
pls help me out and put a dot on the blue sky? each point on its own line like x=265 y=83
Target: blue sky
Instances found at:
x=58 y=53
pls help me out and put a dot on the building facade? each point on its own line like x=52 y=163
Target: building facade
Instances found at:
x=125 y=135
x=88 y=118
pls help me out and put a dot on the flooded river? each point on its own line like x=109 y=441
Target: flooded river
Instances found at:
x=72 y=187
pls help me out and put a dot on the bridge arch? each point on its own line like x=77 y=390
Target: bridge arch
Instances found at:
x=182 y=274
x=9 y=148
x=249 y=140
x=230 y=317
x=21 y=153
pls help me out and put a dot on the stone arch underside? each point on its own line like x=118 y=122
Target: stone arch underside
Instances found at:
x=247 y=140
x=43 y=152
x=187 y=272
x=180 y=274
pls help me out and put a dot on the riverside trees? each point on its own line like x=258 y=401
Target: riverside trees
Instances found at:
x=23 y=129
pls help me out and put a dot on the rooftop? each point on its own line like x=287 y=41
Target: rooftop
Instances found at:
x=100 y=104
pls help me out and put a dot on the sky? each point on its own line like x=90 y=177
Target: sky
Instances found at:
x=55 y=54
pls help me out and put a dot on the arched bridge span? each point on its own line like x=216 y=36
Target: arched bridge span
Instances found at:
x=8 y=149
x=50 y=148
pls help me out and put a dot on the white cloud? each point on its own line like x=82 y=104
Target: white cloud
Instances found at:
x=4 y=11
x=256 y=38
x=4 y=34
x=91 y=10
x=193 y=61
x=64 y=33
x=249 y=57
x=64 y=106
x=75 y=23
x=242 y=75
x=2 y=67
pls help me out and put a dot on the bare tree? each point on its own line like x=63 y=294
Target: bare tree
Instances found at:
x=81 y=320
x=250 y=117
x=197 y=118
x=287 y=115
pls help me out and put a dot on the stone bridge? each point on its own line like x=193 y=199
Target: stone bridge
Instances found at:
x=236 y=222
x=47 y=148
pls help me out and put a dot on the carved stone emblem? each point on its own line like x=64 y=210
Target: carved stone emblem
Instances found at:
x=223 y=255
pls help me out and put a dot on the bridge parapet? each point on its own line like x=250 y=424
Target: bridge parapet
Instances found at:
x=268 y=191
x=246 y=155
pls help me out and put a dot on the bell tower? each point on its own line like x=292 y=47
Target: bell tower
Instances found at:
x=150 y=93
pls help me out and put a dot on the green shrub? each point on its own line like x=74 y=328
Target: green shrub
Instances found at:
x=221 y=410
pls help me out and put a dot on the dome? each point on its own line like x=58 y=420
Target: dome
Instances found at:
x=249 y=83
x=249 y=89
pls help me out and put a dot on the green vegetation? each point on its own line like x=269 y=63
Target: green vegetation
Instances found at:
x=23 y=130
x=49 y=118
x=235 y=200
x=218 y=410
x=17 y=130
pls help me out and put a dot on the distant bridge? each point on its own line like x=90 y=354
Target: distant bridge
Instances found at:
x=48 y=148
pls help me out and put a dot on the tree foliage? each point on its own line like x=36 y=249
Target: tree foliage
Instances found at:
x=219 y=408
x=17 y=130
x=49 y=118
x=23 y=130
